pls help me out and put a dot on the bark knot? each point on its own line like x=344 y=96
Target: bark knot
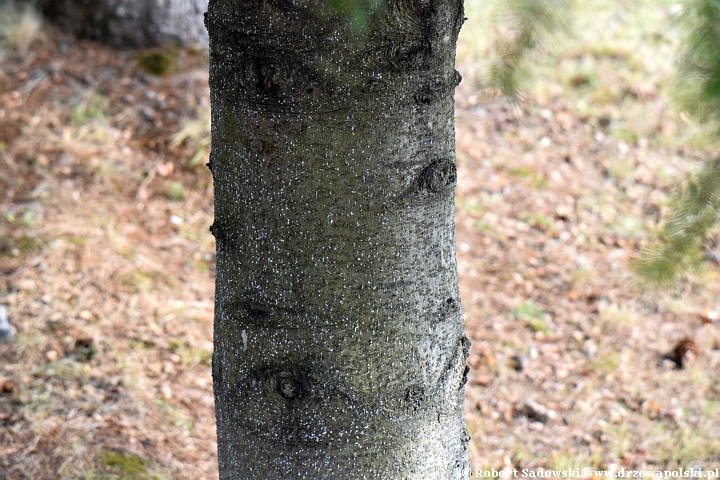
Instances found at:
x=437 y=177
x=288 y=386
x=458 y=78
x=223 y=236
x=415 y=396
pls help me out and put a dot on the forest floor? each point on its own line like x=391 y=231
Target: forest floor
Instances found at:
x=107 y=265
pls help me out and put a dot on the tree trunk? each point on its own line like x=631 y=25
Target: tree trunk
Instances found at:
x=339 y=344
x=131 y=23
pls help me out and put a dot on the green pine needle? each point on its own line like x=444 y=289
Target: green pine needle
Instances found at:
x=697 y=86
x=678 y=249
x=695 y=215
x=524 y=26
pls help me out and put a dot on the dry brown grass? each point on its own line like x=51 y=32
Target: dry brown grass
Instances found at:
x=106 y=267
x=109 y=281
x=554 y=198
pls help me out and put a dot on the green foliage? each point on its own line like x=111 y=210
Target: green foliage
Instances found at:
x=159 y=62
x=694 y=211
x=523 y=26
x=539 y=221
x=131 y=466
x=679 y=247
x=19 y=245
x=697 y=87
x=90 y=106
x=532 y=314
x=176 y=191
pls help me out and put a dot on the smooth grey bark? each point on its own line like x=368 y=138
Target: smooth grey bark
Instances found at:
x=131 y=23
x=339 y=344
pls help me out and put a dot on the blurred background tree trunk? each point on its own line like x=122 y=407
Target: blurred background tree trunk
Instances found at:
x=131 y=23
x=339 y=343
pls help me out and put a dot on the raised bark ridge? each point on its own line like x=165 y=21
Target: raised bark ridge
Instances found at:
x=339 y=345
